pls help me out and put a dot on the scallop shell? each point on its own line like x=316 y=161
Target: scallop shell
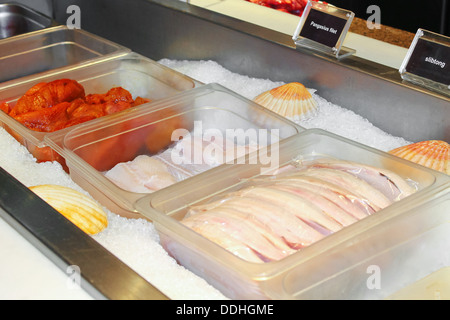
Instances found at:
x=291 y=100
x=80 y=209
x=434 y=154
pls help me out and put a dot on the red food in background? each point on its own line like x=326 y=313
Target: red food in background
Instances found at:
x=295 y=7
x=49 y=107
x=47 y=95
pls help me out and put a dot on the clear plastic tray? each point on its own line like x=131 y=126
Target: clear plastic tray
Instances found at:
x=403 y=258
x=52 y=48
x=93 y=149
x=16 y=19
x=334 y=267
x=141 y=76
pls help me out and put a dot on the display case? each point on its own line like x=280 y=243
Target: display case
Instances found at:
x=33 y=53
x=170 y=29
x=99 y=154
x=314 y=271
x=140 y=76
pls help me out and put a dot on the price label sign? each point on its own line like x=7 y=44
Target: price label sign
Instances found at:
x=427 y=62
x=323 y=27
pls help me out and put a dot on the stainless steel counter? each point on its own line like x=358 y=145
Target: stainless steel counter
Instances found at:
x=175 y=30
x=103 y=275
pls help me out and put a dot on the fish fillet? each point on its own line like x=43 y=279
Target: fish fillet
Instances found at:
x=284 y=223
x=220 y=236
x=142 y=175
x=391 y=184
x=294 y=208
x=350 y=182
x=348 y=201
x=327 y=206
x=236 y=230
x=301 y=208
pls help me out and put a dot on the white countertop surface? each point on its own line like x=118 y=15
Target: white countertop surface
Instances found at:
x=367 y=48
x=28 y=274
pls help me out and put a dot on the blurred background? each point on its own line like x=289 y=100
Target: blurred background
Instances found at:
x=432 y=15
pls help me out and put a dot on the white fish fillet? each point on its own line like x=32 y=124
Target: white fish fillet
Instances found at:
x=237 y=216
x=237 y=230
x=285 y=224
x=350 y=182
x=142 y=175
x=302 y=208
x=391 y=184
x=216 y=151
x=281 y=214
x=220 y=236
x=327 y=206
x=348 y=201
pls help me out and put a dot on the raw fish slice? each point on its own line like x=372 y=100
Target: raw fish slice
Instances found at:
x=221 y=150
x=350 y=182
x=241 y=217
x=220 y=236
x=154 y=174
x=353 y=204
x=238 y=231
x=142 y=175
x=392 y=185
x=126 y=178
x=302 y=208
x=327 y=206
x=211 y=152
x=340 y=197
x=296 y=232
x=196 y=150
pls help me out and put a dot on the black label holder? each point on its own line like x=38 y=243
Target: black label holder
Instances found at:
x=427 y=62
x=323 y=29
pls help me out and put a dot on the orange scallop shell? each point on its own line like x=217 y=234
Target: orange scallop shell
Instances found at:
x=434 y=154
x=291 y=100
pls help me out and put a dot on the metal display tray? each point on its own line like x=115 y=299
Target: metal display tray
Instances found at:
x=170 y=29
x=16 y=19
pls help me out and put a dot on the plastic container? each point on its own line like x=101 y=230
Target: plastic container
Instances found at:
x=406 y=257
x=332 y=268
x=52 y=48
x=95 y=148
x=141 y=76
x=16 y=19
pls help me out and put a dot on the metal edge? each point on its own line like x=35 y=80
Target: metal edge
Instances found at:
x=108 y=278
x=103 y=275
x=352 y=62
x=45 y=21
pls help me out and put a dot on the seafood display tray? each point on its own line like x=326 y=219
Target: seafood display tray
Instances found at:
x=41 y=51
x=92 y=149
x=169 y=29
x=332 y=268
x=16 y=19
x=139 y=75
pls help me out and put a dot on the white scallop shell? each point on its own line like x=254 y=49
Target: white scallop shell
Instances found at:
x=78 y=208
x=291 y=100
